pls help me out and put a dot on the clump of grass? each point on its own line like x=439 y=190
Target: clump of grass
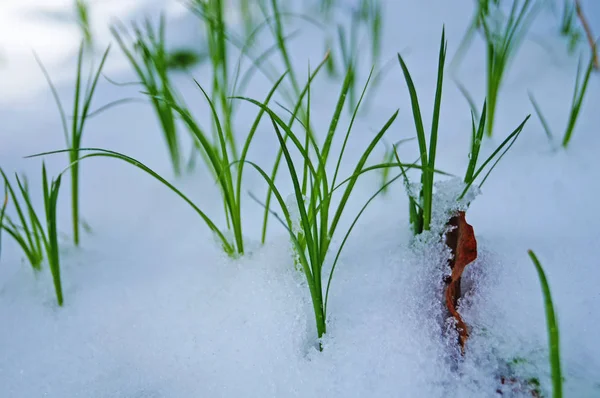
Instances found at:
x=73 y=132
x=473 y=169
x=504 y=37
x=576 y=102
x=147 y=54
x=420 y=206
x=30 y=235
x=319 y=215
x=552 y=326
x=229 y=178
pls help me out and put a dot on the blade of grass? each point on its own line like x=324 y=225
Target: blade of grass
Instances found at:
x=578 y=96
x=99 y=152
x=552 y=326
x=545 y=124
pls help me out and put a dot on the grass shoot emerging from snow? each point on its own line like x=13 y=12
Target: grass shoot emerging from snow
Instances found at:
x=229 y=178
x=314 y=217
x=579 y=91
x=473 y=170
x=552 y=325
x=30 y=234
x=420 y=208
x=74 y=132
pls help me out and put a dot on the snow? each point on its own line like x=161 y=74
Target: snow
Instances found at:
x=153 y=308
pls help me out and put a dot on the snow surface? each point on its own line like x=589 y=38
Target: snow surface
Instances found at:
x=153 y=308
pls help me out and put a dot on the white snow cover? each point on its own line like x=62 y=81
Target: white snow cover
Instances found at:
x=153 y=308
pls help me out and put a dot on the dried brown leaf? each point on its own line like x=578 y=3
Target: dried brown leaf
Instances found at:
x=461 y=241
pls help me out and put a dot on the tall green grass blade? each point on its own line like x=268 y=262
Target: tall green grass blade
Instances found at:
x=311 y=244
x=427 y=160
x=81 y=112
x=543 y=120
x=275 y=168
x=51 y=242
x=552 y=325
x=578 y=96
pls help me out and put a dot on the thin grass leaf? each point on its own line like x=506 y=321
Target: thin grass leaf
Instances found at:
x=545 y=124
x=553 y=332
x=99 y=152
x=81 y=112
x=2 y=211
x=51 y=242
x=503 y=42
x=423 y=217
x=578 y=96
x=510 y=140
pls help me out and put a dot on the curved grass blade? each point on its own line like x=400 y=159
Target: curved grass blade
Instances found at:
x=99 y=152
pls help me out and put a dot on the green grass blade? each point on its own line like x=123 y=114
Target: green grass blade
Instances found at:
x=350 y=125
x=476 y=139
x=576 y=106
x=552 y=325
x=510 y=140
x=51 y=243
x=99 y=152
x=416 y=110
x=357 y=169
x=428 y=197
x=306 y=226
x=2 y=211
x=468 y=97
x=250 y=136
x=543 y=120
